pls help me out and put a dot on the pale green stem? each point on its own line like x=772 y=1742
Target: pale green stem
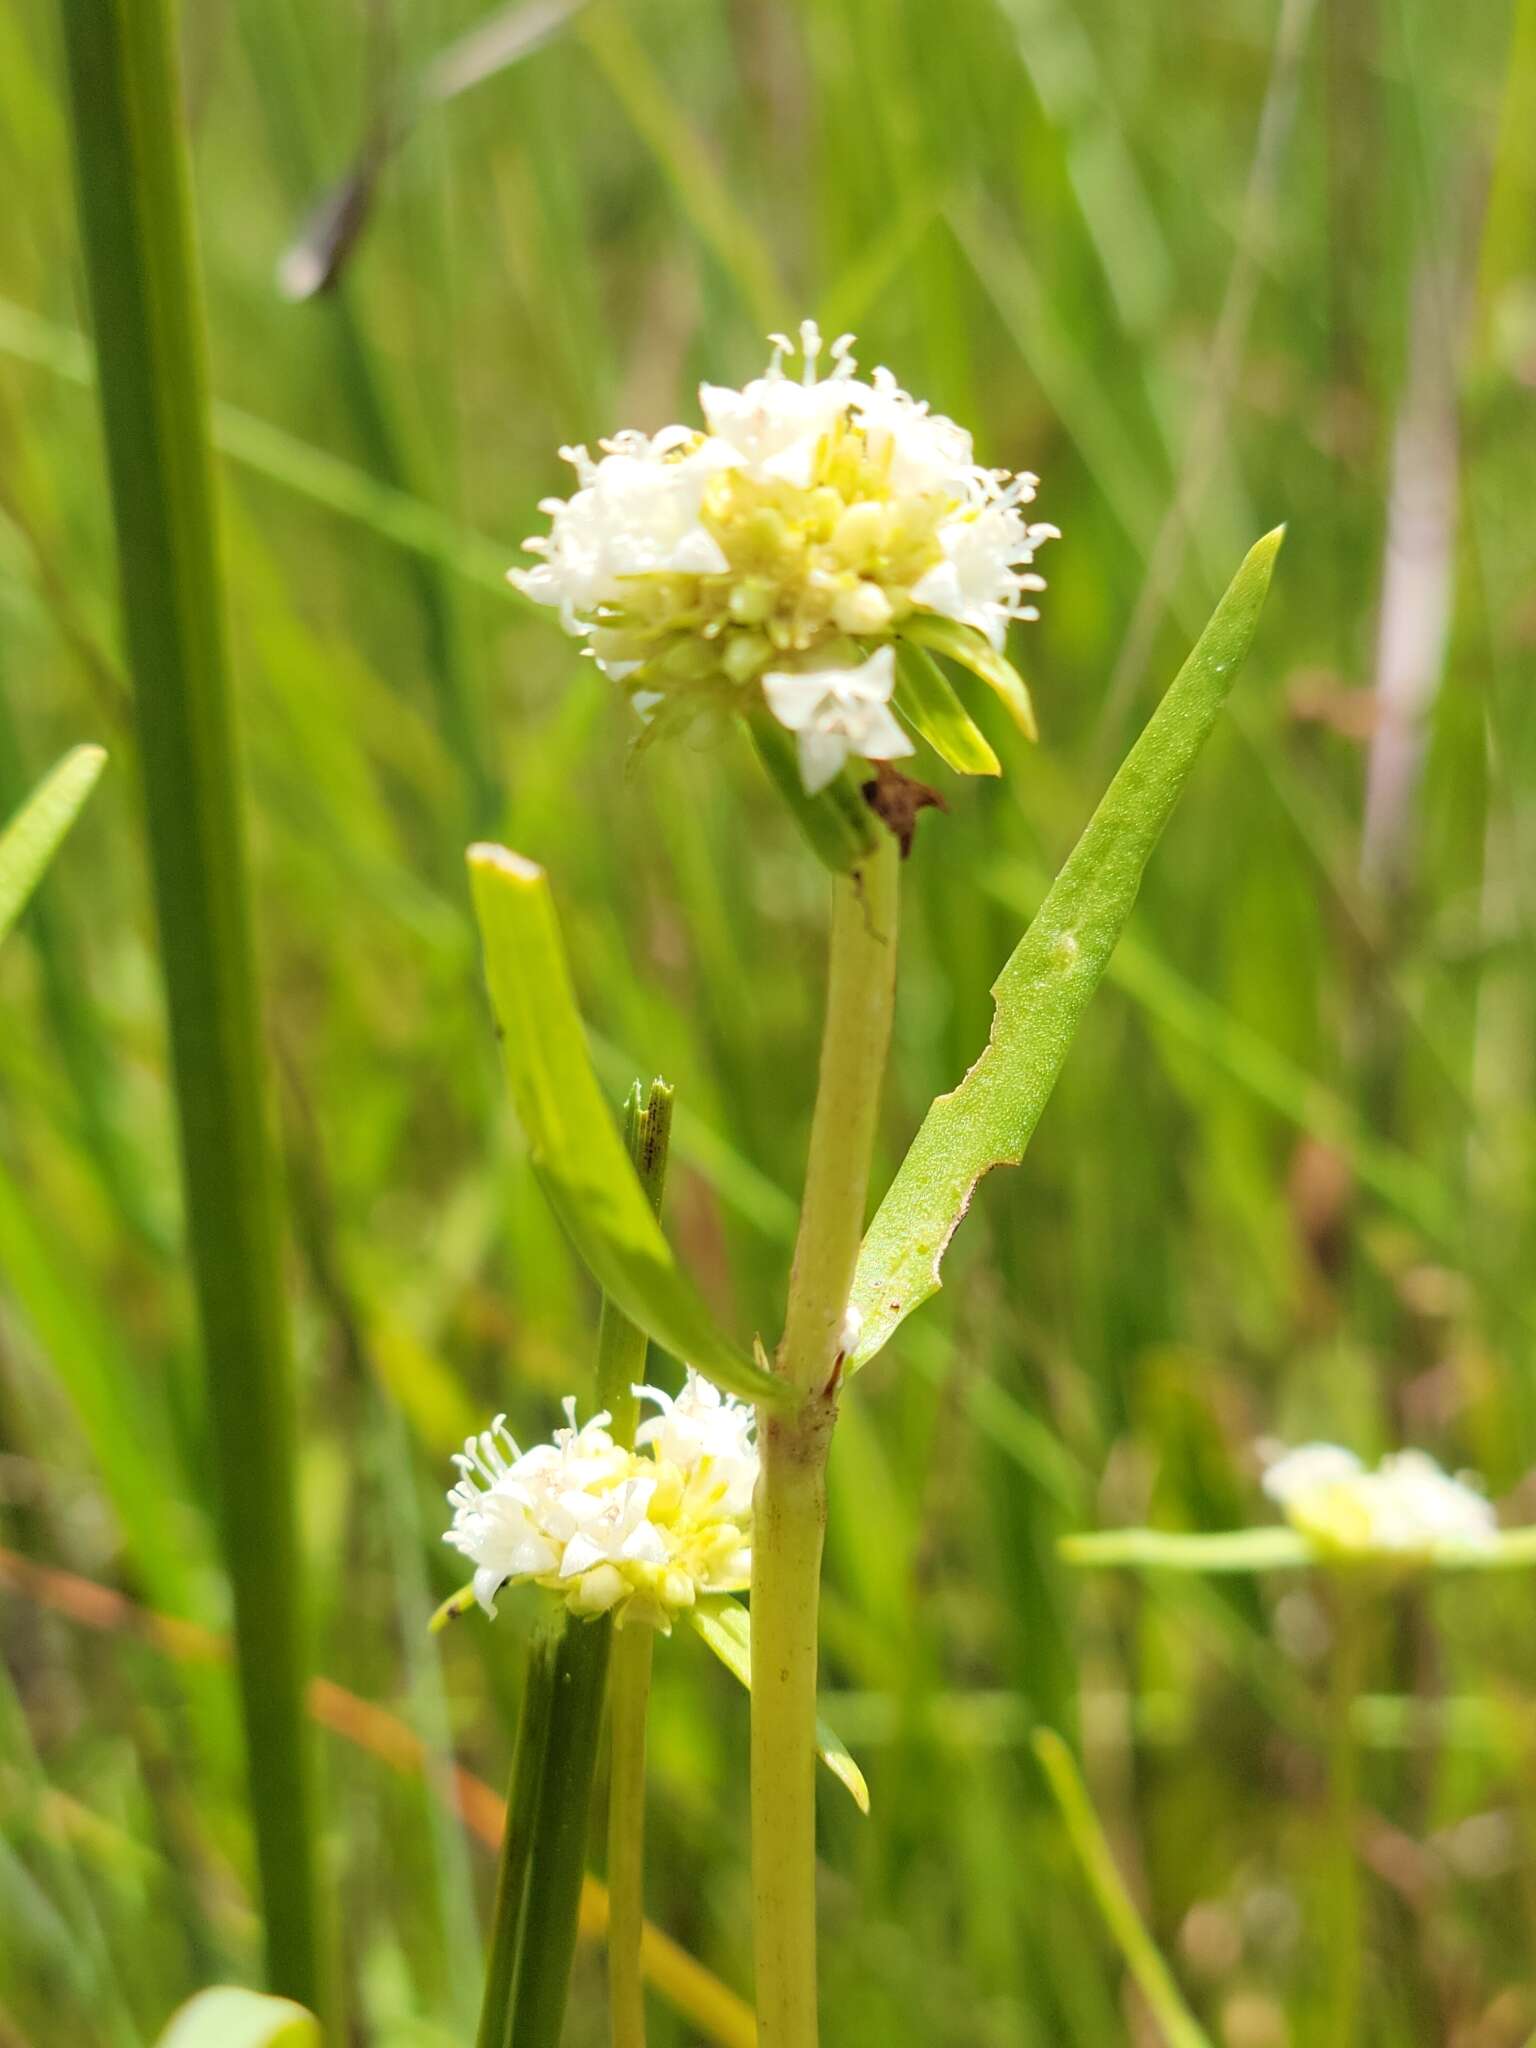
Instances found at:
x=790 y=1509
x=629 y=1687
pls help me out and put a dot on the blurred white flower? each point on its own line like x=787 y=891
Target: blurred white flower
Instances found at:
x=640 y=1534
x=803 y=521
x=1407 y=1509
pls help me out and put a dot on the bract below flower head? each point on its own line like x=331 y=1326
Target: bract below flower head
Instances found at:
x=638 y=1534
x=791 y=535
x=1407 y=1510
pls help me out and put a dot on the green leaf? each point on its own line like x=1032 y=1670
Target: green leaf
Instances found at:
x=134 y=202
x=1043 y=990
x=32 y=837
x=576 y=1148
x=227 y=2017
x=974 y=651
x=926 y=699
x=725 y=1625
x=838 y=825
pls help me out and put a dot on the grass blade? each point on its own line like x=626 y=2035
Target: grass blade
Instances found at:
x=1153 y=1977
x=1043 y=990
x=581 y=1161
x=32 y=837
x=135 y=218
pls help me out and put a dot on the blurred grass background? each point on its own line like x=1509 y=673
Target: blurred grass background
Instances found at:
x=1204 y=268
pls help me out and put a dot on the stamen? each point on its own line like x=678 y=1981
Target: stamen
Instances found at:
x=810 y=349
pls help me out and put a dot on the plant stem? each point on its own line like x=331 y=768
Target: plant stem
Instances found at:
x=1345 y=1920
x=558 y=1850
x=141 y=266
x=790 y=1509
x=621 y=1350
x=517 y=1839
x=621 y=1344
x=628 y=1697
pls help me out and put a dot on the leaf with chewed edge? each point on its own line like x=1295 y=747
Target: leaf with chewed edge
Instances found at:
x=1043 y=990
x=573 y=1139
x=725 y=1625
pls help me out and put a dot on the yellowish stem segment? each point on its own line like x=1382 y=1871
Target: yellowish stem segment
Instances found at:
x=790 y=1509
x=629 y=1686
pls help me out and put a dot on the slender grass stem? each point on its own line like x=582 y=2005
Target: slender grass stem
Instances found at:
x=790 y=1510
x=628 y=1697
x=621 y=1353
x=1345 y=1917
x=141 y=267
x=517 y=1839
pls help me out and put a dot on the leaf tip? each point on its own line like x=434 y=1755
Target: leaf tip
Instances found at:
x=487 y=857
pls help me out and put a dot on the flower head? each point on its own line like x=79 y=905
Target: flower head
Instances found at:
x=1407 y=1509
x=789 y=537
x=639 y=1533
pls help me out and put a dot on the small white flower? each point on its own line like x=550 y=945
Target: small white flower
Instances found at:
x=702 y=1428
x=611 y=1530
x=835 y=711
x=805 y=520
x=1407 y=1509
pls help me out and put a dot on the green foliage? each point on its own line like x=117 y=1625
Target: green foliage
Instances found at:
x=135 y=221
x=1284 y=1187
x=926 y=700
x=31 y=838
x=1042 y=992
x=972 y=650
x=576 y=1149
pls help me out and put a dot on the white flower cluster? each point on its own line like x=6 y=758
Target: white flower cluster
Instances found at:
x=639 y=1534
x=1408 y=1509
x=765 y=552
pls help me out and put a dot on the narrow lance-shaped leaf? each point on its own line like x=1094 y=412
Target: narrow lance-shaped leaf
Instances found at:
x=31 y=838
x=926 y=699
x=725 y=1625
x=575 y=1145
x=230 y=2017
x=973 y=650
x=1043 y=990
